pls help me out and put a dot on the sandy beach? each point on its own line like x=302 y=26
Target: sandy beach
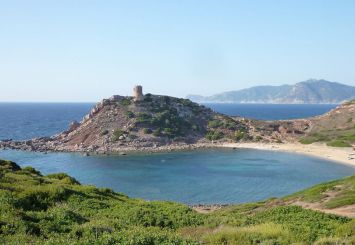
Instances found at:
x=344 y=155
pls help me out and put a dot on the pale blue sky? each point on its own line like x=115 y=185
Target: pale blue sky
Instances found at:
x=88 y=50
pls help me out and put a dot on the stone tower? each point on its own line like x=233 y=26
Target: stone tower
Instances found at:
x=138 y=93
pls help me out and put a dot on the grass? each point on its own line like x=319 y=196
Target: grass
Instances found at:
x=335 y=138
x=57 y=209
x=316 y=137
x=338 y=143
x=269 y=233
x=344 y=189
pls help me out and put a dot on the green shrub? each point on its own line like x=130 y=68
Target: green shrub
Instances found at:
x=214 y=135
x=258 y=138
x=144 y=117
x=317 y=137
x=147 y=131
x=129 y=114
x=157 y=132
x=117 y=133
x=148 y=97
x=338 y=143
x=126 y=101
x=239 y=135
x=104 y=132
x=215 y=124
x=65 y=178
x=31 y=170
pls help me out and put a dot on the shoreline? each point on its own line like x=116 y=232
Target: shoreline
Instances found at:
x=342 y=155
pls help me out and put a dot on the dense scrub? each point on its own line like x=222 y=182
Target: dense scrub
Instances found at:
x=56 y=209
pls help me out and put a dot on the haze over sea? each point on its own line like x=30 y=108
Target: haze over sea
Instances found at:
x=205 y=176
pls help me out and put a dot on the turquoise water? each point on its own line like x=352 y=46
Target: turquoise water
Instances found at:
x=206 y=176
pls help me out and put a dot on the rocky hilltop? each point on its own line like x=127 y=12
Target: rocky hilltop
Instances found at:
x=141 y=122
x=308 y=92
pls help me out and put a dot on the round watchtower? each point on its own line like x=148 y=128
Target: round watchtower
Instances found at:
x=138 y=93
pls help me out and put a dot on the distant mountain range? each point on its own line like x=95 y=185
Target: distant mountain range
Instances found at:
x=308 y=92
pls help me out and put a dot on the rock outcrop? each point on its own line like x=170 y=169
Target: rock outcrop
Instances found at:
x=142 y=122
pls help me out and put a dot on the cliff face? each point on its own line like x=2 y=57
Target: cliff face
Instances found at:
x=307 y=92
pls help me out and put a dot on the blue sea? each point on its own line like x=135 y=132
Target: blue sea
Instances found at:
x=204 y=176
x=272 y=111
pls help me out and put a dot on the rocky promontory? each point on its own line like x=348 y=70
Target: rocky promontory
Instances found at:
x=141 y=123
x=152 y=123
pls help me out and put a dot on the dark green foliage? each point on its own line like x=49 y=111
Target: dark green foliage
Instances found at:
x=215 y=124
x=214 y=135
x=239 y=135
x=31 y=170
x=144 y=118
x=64 y=178
x=157 y=132
x=126 y=101
x=187 y=102
x=104 y=132
x=147 y=131
x=4 y=164
x=166 y=122
x=129 y=114
x=117 y=133
x=148 y=97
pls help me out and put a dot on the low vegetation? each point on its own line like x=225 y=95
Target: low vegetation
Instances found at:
x=56 y=209
x=335 y=138
x=343 y=191
x=117 y=133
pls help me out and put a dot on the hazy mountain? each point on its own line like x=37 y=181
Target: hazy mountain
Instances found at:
x=310 y=91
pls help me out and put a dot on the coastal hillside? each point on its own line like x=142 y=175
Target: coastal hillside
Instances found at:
x=336 y=128
x=57 y=209
x=307 y=92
